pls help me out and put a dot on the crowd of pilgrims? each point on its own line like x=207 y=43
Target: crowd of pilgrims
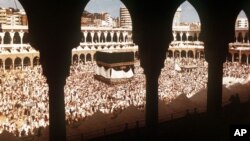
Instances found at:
x=24 y=93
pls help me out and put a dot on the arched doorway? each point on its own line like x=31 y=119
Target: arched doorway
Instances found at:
x=88 y=57
x=17 y=63
x=82 y=58
x=8 y=64
x=236 y=57
x=170 y=53
x=176 y=54
x=75 y=59
x=26 y=61
x=190 y=54
x=243 y=58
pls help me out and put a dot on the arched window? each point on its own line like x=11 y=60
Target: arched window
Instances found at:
x=7 y=38
x=16 y=38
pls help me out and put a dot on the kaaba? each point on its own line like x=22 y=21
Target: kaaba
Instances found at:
x=114 y=67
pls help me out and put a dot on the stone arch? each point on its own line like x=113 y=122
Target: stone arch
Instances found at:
x=184 y=37
x=170 y=53
x=240 y=37
x=176 y=53
x=246 y=37
x=121 y=39
x=190 y=38
x=243 y=58
x=126 y=38
x=82 y=58
x=7 y=38
x=202 y=54
x=115 y=37
x=183 y=53
x=88 y=57
x=95 y=38
x=36 y=61
x=236 y=57
x=190 y=54
x=26 y=38
x=195 y=37
x=88 y=38
x=16 y=38
x=17 y=62
x=8 y=63
x=178 y=37
x=108 y=37
x=26 y=61
x=75 y=58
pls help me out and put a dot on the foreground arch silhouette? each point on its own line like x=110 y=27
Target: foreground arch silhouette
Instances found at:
x=152 y=31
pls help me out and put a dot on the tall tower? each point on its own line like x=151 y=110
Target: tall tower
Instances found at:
x=177 y=17
x=125 y=19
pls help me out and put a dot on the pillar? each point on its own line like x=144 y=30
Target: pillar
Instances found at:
x=112 y=35
x=12 y=36
x=181 y=35
x=124 y=35
x=85 y=33
x=174 y=35
x=92 y=35
x=22 y=64
x=99 y=36
x=21 y=37
x=4 y=65
x=214 y=87
x=151 y=99
x=118 y=36
x=247 y=59
x=105 y=36
x=2 y=37
x=31 y=62
x=236 y=37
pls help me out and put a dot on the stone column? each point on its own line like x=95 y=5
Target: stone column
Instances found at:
x=112 y=35
x=118 y=36
x=21 y=37
x=174 y=35
x=105 y=36
x=247 y=59
x=214 y=87
x=92 y=33
x=99 y=36
x=181 y=34
x=85 y=33
x=12 y=37
x=2 y=37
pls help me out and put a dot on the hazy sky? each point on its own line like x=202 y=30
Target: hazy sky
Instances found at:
x=112 y=7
